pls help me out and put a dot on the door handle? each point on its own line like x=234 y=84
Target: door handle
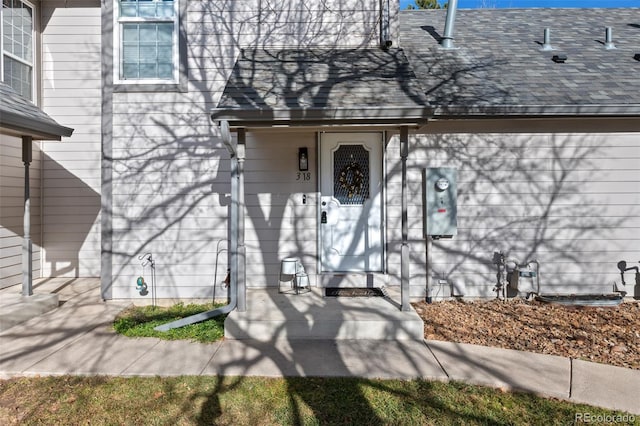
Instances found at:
x=323 y=217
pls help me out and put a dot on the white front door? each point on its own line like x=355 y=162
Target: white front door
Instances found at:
x=351 y=202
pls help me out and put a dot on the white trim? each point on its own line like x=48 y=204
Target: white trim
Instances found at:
x=117 y=51
x=17 y=58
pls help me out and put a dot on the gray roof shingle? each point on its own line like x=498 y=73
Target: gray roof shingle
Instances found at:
x=21 y=117
x=321 y=84
x=498 y=67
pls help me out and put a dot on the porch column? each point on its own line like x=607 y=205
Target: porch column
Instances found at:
x=404 y=251
x=242 y=250
x=27 y=247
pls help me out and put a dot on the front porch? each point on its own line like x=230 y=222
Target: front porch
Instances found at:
x=271 y=316
x=345 y=117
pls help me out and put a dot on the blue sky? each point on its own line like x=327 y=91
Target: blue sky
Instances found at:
x=470 y=4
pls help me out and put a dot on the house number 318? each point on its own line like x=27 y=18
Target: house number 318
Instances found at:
x=304 y=176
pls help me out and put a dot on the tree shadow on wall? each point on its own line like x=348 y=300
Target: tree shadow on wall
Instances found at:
x=61 y=232
x=549 y=202
x=68 y=233
x=170 y=169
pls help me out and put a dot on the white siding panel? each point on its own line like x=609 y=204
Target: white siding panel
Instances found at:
x=172 y=288
x=285 y=23
x=178 y=210
x=15 y=194
x=63 y=63
x=570 y=201
x=90 y=25
x=71 y=95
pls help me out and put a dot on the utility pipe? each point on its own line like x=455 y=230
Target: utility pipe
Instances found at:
x=242 y=249
x=447 y=38
x=546 y=42
x=385 y=31
x=27 y=245
x=608 y=39
x=404 y=250
x=233 y=250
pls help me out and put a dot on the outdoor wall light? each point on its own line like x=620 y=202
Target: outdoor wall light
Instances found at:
x=303 y=159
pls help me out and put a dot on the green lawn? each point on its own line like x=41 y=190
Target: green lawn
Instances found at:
x=267 y=401
x=264 y=401
x=139 y=322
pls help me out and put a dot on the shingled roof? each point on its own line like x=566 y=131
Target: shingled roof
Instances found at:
x=285 y=86
x=498 y=68
x=20 y=117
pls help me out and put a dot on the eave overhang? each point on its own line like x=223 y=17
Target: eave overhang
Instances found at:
x=14 y=124
x=20 y=117
x=318 y=117
x=536 y=111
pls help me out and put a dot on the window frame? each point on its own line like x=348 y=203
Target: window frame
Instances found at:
x=34 y=81
x=118 y=39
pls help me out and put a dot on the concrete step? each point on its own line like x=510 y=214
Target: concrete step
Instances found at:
x=271 y=315
x=17 y=309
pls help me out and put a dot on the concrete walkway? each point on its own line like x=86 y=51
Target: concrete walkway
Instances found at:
x=76 y=338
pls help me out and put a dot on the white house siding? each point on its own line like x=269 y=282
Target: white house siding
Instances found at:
x=171 y=179
x=281 y=206
x=71 y=81
x=12 y=210
x=572 y=201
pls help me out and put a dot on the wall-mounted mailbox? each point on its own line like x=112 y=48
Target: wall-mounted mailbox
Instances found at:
x=441 y=205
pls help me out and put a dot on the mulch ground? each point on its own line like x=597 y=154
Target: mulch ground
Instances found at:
x=608 y=335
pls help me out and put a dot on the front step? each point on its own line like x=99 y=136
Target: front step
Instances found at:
x=353 y=280
x=17 y=309
x=271 y=316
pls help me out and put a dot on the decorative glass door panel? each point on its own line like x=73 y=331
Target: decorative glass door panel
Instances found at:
x=351 y=174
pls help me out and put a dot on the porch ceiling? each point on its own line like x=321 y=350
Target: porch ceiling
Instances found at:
x=315 y=87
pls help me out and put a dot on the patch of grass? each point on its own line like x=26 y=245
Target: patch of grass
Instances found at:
x=139 y=321
x=268 y=401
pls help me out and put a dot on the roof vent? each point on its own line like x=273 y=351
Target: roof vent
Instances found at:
x=636 y=56
x=546 y=45
x=447 y=38
x=608 y=39
x=559 y=58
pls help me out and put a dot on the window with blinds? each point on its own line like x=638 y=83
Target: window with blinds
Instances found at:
x=17 y=46
x=148 y=42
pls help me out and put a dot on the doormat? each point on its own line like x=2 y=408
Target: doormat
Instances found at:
x=353 y=292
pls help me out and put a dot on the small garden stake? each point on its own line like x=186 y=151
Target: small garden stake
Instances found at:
x=141 y=285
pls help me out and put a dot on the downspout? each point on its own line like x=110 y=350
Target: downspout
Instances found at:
x=233 y=246
x=241 y=284
x=404 y=251
x=27 y=245
x=447 y=38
